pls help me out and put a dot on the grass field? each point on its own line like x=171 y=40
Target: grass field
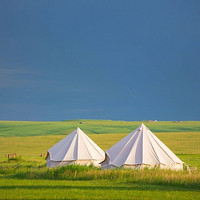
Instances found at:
x=13 y=128
x=28 y=178
x=101 y=189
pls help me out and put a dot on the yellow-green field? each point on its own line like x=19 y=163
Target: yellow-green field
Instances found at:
x=29 y=179
x=33 y=146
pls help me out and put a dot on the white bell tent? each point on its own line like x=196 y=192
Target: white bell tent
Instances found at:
x=76 y=148
x=141 y=149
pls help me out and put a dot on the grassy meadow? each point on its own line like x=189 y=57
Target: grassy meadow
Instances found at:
x=27 y=128
x=28 y=178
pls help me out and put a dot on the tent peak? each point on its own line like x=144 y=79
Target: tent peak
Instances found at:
x=142 y=125
x=78 y=130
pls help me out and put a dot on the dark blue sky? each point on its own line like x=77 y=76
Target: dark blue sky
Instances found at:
x=119 y=60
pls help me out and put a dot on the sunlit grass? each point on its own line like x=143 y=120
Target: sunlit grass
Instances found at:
x=34 y=146
x=17 y=169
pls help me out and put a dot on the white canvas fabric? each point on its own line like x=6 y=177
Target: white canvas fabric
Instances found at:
x=76 y=148
x=141 y=149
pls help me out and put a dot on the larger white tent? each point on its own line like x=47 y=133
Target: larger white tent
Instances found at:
x=140 y=149
x=76 y=148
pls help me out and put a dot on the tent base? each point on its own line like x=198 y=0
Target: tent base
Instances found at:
x=51 y=164
x=175 y=166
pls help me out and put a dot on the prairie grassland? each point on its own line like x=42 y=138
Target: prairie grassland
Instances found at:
x=17 y=169
x=95 y=189
x=179 y=142
x=28 y=178
x=19 y=181
x=16 y=128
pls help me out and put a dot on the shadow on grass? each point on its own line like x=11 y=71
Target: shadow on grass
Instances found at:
x=128 y=187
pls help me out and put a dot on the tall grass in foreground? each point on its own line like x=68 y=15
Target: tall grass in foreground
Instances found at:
x=77 y=172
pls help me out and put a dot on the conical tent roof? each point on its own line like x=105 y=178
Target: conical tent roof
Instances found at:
x=76 y=146
x=141 y=147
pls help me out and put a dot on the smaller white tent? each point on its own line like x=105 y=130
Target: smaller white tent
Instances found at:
x=76 y=148
x=141 y=149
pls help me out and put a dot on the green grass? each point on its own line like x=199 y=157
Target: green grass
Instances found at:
x=94 y=189
x=26 y=177
x=15 y=128
x=76 y=172
x=22 y=181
